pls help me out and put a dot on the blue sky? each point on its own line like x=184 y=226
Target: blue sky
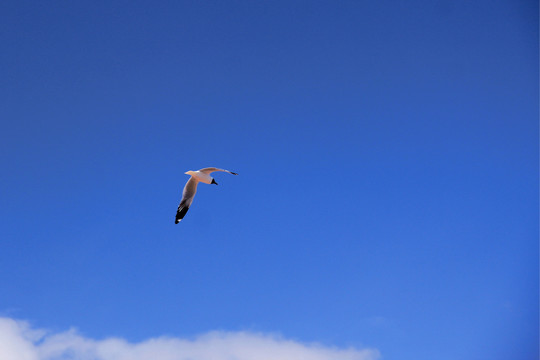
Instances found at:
x=388 y=161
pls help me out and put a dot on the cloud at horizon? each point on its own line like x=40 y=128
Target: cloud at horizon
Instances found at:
x=20 y=341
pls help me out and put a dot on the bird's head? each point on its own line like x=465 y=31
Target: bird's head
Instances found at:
x=190 y=172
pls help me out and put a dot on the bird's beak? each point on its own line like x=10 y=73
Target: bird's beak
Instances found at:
x=214 y=182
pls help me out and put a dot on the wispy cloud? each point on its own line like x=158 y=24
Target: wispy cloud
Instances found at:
x=19 y=341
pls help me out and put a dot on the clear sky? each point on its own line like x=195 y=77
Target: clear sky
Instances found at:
x=387 y=202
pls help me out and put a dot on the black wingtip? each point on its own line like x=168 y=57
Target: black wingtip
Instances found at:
x=180 y=213
x=234 y=173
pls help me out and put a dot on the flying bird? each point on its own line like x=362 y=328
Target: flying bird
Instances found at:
x=202 y=175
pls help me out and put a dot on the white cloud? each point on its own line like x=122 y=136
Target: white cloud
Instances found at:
x=18 y=341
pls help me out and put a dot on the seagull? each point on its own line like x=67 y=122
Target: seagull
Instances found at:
x=202 y=175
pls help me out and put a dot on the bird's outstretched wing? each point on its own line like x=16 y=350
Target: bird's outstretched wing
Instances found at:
x=209 y=170
x=187 y=198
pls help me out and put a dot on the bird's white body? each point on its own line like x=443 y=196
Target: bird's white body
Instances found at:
x=200 y=176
